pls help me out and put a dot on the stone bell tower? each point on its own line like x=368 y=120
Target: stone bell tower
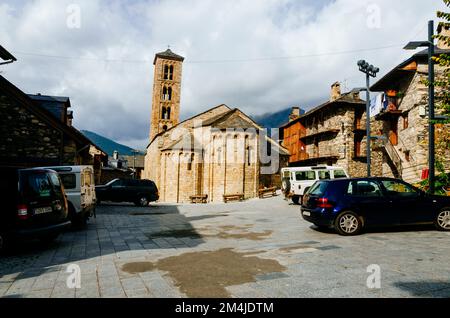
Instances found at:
x=166 y=92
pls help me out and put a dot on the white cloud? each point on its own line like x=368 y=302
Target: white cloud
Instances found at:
x=114 y=98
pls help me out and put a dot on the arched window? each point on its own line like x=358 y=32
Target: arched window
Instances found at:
x=163 y=113
x=165 y=128
x=169 y=93
x=249 y=156
x=191 y=161
x=164 y=97
x=171 y=73
x=168 y=111
x=166 y=72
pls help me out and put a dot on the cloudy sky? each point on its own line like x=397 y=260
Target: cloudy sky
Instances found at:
x=257 y=55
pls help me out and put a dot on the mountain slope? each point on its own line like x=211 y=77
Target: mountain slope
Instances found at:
x=273 y=120
x=107 y=144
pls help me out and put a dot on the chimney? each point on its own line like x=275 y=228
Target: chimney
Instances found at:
x=335 y=91
x=443 y=30
x=294 y=114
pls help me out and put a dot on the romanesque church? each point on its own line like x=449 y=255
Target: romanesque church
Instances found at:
x=218 y=152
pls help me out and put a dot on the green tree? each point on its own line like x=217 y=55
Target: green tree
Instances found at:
x=442 y=86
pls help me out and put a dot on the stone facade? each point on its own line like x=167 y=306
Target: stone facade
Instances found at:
x=215 y=153
x=333 y=134
x=405 y=120
x=166 y=92
x=30 y=136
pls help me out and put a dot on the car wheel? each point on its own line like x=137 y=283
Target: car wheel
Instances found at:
x=296 y=199
x=348 y=224
x=443 y=220
x=142 y=201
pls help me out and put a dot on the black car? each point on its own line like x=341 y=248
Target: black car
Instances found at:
x=34 y=205
x=139 y=192
x=349 y=205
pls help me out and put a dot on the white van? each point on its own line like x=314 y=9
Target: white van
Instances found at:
x=297 y=181
x=79 y=185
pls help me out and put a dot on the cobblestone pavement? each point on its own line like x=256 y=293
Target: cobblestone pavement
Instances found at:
x=414 y=262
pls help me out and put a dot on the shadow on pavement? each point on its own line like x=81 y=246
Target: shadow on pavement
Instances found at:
x=117 y=228
x=426 y=288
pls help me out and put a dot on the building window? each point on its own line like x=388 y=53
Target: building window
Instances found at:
x=406 y=121
x=171 y=73
x=249 y=156
x=358 y=141
x=408 y=156
x=169 y=93
x=164 y=113
x=164 y=97
x=165 y=128
x=191 y=161
x=166 y=72
x=168 y=111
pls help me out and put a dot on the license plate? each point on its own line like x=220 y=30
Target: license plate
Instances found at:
x=307 y=213
x=42 y=210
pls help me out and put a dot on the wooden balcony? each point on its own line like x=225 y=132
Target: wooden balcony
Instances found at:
x=313 y=135
x=306 y=158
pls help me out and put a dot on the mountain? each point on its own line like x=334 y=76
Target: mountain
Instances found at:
x=108 y=145
x=274 y=120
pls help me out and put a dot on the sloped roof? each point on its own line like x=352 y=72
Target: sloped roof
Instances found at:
x=346 y=98
x=45 y=115
x=399 y=72
x=5 y=55
x=168 y=55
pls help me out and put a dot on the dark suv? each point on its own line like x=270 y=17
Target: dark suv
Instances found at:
x=34 y=205
x=139 y=192
x=350 y=205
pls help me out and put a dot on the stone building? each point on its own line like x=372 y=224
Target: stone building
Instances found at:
x=31 y=135
x=333 y=134
x=218 y=152
x=404 y=119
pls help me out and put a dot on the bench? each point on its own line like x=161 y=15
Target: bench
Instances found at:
x=199 y=198
x=267 y=192
x=233 y=197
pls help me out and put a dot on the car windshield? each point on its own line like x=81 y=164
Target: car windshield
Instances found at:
x=112 y=182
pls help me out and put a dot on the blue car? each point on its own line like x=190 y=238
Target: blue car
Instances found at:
x=350 y=205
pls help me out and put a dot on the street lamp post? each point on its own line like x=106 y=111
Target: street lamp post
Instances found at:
x=370 y=71
x=431 y=94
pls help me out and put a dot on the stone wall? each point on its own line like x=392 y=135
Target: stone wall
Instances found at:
x=26 y=140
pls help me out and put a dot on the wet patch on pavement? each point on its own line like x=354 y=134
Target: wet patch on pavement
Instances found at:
x=207 y=274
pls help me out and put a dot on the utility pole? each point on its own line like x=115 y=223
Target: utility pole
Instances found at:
x=431 y=94
x=370 y=71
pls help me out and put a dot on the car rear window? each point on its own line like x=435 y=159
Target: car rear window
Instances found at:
x=69 y=181
x=318 y=188
x=36 y=185
x=305 y=175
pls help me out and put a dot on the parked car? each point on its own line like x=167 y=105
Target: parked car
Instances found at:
x=79 y=185
x=350 y=205
x=34 y=205
x=297 y=181
x=139 y=192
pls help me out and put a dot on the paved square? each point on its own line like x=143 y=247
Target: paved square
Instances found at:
x=259 y=248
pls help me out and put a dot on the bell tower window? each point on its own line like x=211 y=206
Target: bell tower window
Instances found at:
x=169 y=93
x=166 y=72
x=171 y=73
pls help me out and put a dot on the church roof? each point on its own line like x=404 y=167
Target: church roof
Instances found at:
x=168 y=55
